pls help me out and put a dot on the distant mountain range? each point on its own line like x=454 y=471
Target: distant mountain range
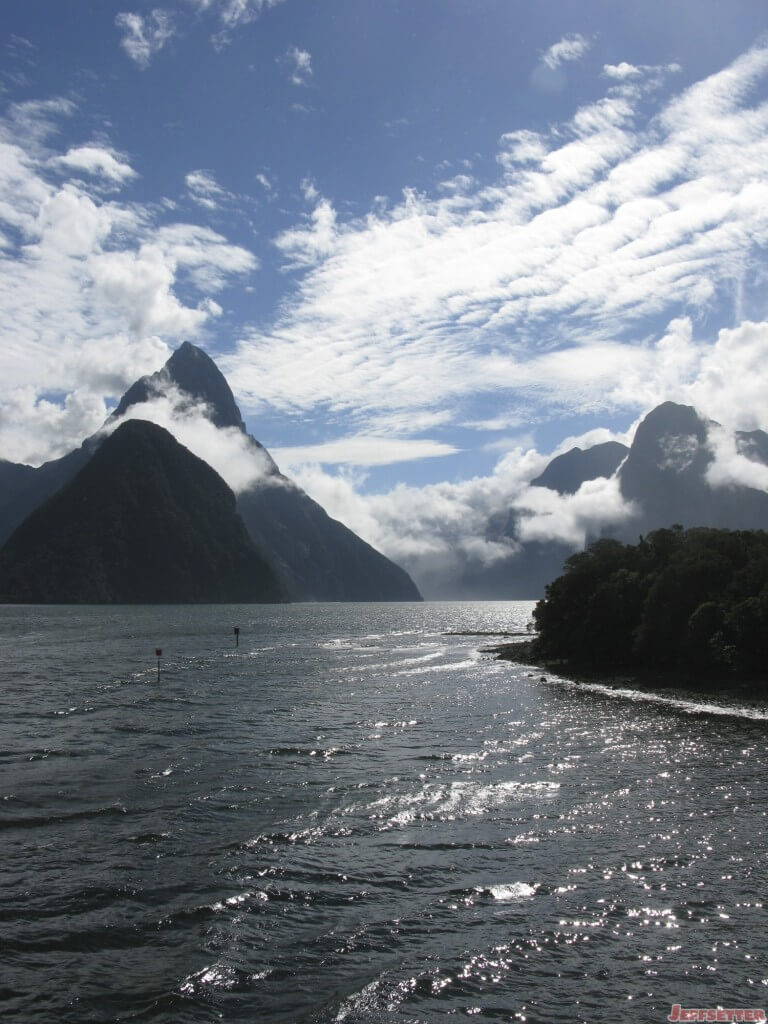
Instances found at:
x=664 y=474
x=566 y=473
x=133 y=516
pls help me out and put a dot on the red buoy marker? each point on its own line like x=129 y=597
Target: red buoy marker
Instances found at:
x=158 y=655
x=237 y=636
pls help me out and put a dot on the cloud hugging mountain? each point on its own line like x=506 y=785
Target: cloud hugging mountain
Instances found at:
x=500 y=537
x=133 y=515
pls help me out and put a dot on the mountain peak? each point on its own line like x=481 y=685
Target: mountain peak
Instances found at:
x=192 y=371
x=566 y=473
x=673 y=439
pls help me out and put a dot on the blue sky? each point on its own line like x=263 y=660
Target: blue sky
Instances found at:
x=430 y=243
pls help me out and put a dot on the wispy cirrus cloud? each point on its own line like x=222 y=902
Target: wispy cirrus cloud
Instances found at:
x=203 y=188
x=363 y=450
x=144 y=36
x=569 y=48
x=623 y=71
x=638 y=209
x=232 y=15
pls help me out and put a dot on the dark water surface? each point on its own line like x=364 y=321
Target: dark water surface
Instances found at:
x=355 y=817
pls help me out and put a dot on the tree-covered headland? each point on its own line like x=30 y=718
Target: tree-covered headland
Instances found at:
x=693 y=602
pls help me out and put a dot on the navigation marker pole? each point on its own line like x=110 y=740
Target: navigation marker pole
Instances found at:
x=237 y=636
x=158 y=655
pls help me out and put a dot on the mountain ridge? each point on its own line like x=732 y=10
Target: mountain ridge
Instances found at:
x=316 y=557
x=143 y=521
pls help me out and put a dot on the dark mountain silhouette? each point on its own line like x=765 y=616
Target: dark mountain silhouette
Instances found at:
x=22 y=492
x=566 y=473
x=13 y=474
x=144 y=521
x=316 y=558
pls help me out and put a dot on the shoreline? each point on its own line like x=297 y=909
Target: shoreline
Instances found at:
x=669 y=683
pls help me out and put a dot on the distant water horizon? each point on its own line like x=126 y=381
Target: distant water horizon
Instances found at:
x=356 y=815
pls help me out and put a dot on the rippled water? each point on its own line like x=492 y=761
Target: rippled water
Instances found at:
x=355 y=816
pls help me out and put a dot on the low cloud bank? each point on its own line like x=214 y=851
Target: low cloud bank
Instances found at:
x=440 y=531
x=233 y=455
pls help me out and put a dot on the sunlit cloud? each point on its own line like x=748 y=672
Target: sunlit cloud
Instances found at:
x=143 y=37
x=569 y=48
x=635 y=210
x=99 y=161
x=232 y=15
x=233 y=455
x=90 y=288
x=363 y=451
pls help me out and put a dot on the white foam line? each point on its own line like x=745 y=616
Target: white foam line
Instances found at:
x=455 y=666
x=408 y=661
x=684 y=704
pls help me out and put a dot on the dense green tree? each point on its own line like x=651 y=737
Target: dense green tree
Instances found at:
x=695 y=600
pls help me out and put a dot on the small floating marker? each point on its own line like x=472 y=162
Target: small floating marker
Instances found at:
x=237 y=636
x=158 y=655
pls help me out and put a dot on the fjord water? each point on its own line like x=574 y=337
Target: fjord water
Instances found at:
x=356 y=816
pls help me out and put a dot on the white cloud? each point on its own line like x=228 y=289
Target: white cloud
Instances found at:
x=521 y=147
x=299 y=64
x=228 y=450
x=623 y=71
x=205 y=256
x=363 y=451
x=139 y=285
x=145 y=36
x=731 y=468
x=439 y=531
x=205 y=190
x=572 y=518
x=97 y=160
x=89 y=289
x=726 y=380
x=569 y=48
x=81 y=413
x=310 y=243
x=539 y=283
x=232 y=15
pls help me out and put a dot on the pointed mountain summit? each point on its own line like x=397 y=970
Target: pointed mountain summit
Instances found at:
x=666 y=470
x=316 y=558
x=189 y=373
x=192 y=371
